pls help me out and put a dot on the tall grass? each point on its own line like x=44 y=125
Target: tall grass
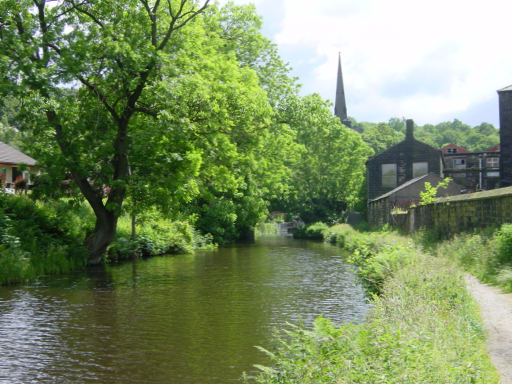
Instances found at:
x=423 y=326
x=486 y=255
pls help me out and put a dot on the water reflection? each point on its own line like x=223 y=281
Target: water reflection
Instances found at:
x=177 y=319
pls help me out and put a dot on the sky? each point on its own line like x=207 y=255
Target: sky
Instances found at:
x=430 y=61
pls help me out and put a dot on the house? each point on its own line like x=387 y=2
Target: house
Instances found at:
x=404 y=161
x=11 y=160
x=472 y=170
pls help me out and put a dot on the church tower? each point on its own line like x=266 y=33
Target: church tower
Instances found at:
x=340 y=106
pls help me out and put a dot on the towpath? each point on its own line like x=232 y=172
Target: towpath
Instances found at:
x=496 y=311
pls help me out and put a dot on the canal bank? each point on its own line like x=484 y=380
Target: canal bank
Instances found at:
x=424 y=325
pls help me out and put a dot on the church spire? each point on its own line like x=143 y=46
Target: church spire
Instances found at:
x=340 y=106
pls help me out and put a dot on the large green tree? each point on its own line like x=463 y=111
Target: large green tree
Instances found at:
x=85 y=71
x=329 y=175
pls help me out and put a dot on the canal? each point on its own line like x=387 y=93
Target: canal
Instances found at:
x=172 y=319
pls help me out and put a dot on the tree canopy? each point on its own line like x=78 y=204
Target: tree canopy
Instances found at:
x=384 y=135
x=183 y=106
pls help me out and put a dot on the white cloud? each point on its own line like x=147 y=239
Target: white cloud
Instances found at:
x=429 y=61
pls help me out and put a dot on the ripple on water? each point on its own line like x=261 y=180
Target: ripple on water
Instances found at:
x=179 y=319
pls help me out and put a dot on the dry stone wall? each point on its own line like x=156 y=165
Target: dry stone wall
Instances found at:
x=461 y=213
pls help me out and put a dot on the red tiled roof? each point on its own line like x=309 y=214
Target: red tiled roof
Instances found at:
x=459 y=149
x=496 y=148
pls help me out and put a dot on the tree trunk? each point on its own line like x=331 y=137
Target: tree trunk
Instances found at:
x=100 y=239
x=134 y=228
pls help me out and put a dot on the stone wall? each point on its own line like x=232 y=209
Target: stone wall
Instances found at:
x=456 y=214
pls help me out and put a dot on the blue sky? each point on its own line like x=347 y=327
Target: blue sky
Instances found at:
x=431 y=61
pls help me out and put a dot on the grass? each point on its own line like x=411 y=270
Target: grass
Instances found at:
x=486 y=254
x=423 y=326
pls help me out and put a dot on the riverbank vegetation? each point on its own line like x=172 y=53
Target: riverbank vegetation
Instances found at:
x=39 y=239
x=423 y=326
x=48 y=238
x=486 y=254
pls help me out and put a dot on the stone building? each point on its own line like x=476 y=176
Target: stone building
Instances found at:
x=505 y=105
x=404 y=161
x=473 y=170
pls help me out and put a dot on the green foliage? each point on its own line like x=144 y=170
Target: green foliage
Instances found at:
x=36 y=239
x=267 y=229
x=382 y=136
x=312 y=232
x=328 y=175
x=425 y=328
x=428 y=195
x=503 y=240
x=377 y=255
x=379 y=137
x=486 y=255
x=156 y=235
x=478 y=138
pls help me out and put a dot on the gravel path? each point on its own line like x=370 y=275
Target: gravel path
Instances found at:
x=496 y=312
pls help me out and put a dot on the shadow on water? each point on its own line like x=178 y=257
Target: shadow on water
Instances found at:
x=172 y=319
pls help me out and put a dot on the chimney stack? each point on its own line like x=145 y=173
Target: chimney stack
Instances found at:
x=505 y=104
x=409 y=130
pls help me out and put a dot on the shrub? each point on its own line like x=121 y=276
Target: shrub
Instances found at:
x=503 y=240
x=34 y=241
x=157 y=236
x=312 y=232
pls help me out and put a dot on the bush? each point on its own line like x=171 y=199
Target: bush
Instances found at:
x=312 y=232
x=503 y=240
x=35 y=241
x=157 y=236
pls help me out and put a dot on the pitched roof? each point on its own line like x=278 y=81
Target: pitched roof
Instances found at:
x=402 y=186
x=496 y=148
x=9 y=155
x=451 y=145
x=506 y=89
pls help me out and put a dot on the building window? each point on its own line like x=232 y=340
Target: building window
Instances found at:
x=389 y=175
x=451 y=150
x=419 y=169
x=493 y=162
x=458 y=163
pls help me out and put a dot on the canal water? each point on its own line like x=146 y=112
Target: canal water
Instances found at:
x=172 y=319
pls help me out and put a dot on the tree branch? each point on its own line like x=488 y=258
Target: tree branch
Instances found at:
x=85 y=12
x=90 y=193
x=173 y=26
x=100 y=95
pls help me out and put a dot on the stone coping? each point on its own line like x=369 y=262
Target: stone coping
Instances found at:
x=499 y=192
